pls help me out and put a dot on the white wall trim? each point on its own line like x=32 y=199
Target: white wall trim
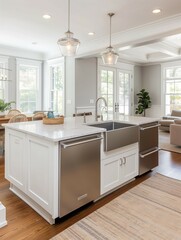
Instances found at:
x=56 y=61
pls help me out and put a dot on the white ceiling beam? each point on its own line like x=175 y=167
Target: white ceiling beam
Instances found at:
x=156 y=56
x=166 y=48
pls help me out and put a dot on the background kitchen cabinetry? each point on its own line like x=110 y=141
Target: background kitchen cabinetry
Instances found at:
x=119 y=167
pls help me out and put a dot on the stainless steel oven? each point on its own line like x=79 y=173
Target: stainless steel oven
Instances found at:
x=148 y=147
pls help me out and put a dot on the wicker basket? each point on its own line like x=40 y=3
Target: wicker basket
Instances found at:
x=57 y=120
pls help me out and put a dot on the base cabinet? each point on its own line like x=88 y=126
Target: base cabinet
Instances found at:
x=118 y=169
x=31 y=166
x=40 y=173
x=15 y=155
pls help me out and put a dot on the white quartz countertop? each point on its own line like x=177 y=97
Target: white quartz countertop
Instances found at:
x=72 y=127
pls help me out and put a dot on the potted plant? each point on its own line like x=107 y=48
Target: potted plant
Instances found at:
x=144 y=102
x=4 y=106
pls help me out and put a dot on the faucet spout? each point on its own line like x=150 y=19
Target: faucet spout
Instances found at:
x=96 y=107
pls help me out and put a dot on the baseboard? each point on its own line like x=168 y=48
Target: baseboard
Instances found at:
x=3 y=221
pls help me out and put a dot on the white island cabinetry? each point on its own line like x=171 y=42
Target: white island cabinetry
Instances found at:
x=31 y=166
x=33 y=161
x=118 y=166
x=15 y=155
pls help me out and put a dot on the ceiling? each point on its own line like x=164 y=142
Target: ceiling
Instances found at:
x=137 y=34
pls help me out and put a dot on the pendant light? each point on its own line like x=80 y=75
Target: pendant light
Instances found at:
x=110 y=56
x=68 y=45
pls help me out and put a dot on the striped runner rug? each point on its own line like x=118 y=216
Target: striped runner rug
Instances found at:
x=149 y=211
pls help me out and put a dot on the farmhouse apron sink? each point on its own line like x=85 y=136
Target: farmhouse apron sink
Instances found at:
x=117 y=134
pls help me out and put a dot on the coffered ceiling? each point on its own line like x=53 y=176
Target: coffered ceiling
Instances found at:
x=137 y=34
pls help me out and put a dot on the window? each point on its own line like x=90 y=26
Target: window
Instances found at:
x=4 y=76
x=172 y=89
x=28 y=85
x=57 y=86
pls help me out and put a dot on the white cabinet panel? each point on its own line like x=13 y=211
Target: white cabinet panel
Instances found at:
x=31 y=166
x=15 y=166
x=39 y=184
x=129 y=167
x=109 y=174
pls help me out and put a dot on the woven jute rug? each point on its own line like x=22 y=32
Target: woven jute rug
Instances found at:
x=164 y=143
x=149 y=211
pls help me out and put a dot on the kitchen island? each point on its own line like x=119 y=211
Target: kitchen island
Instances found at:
x=33 y=160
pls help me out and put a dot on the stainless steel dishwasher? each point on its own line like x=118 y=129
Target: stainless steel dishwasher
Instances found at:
x=79 y=172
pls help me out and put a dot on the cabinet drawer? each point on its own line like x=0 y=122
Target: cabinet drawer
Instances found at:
x=148 y=136
x=148 y=161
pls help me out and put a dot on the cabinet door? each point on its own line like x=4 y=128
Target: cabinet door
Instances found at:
x=15 y=166
x=40 y=171
x=110 y=173
x=129 y=166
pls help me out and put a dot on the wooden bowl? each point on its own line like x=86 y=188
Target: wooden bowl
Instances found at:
x=57 y=120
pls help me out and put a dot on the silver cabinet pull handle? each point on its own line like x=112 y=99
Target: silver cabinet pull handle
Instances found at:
x=124 y=160
x=64 y=145
x=145 y=155
x=153 y=126
x=121 y=160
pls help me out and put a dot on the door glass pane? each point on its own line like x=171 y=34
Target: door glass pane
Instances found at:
x=107 y=91
x=124 y=92
x=104 y=88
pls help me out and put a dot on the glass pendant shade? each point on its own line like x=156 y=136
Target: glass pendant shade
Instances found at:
x=68 y=45
x=110 y=56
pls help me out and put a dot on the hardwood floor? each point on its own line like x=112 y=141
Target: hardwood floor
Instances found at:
x=25 y=223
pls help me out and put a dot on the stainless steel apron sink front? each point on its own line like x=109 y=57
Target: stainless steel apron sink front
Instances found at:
x=118 y=134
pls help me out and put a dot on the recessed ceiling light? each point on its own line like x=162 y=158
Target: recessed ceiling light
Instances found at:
x=157 y=10
x=91 y=33
x=46 y=16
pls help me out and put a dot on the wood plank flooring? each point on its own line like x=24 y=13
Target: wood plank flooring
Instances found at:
x=25 y=223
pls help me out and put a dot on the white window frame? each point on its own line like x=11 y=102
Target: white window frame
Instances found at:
x=4 y=61
x=164 y=66
x=125 y=67
x=33 y=63
x=52 y=63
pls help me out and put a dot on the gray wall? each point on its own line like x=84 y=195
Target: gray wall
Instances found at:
x=85 y=82
x=137 y=82
x=151 y=80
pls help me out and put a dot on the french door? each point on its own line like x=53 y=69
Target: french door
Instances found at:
x=115 y=85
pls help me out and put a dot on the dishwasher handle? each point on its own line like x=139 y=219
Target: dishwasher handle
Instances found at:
x=65 y=145
x=149 y=153
x=145 y=128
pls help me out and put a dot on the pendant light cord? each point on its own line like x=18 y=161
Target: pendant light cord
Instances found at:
x=110 y=15
x=110 y=31
x=68 y=15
